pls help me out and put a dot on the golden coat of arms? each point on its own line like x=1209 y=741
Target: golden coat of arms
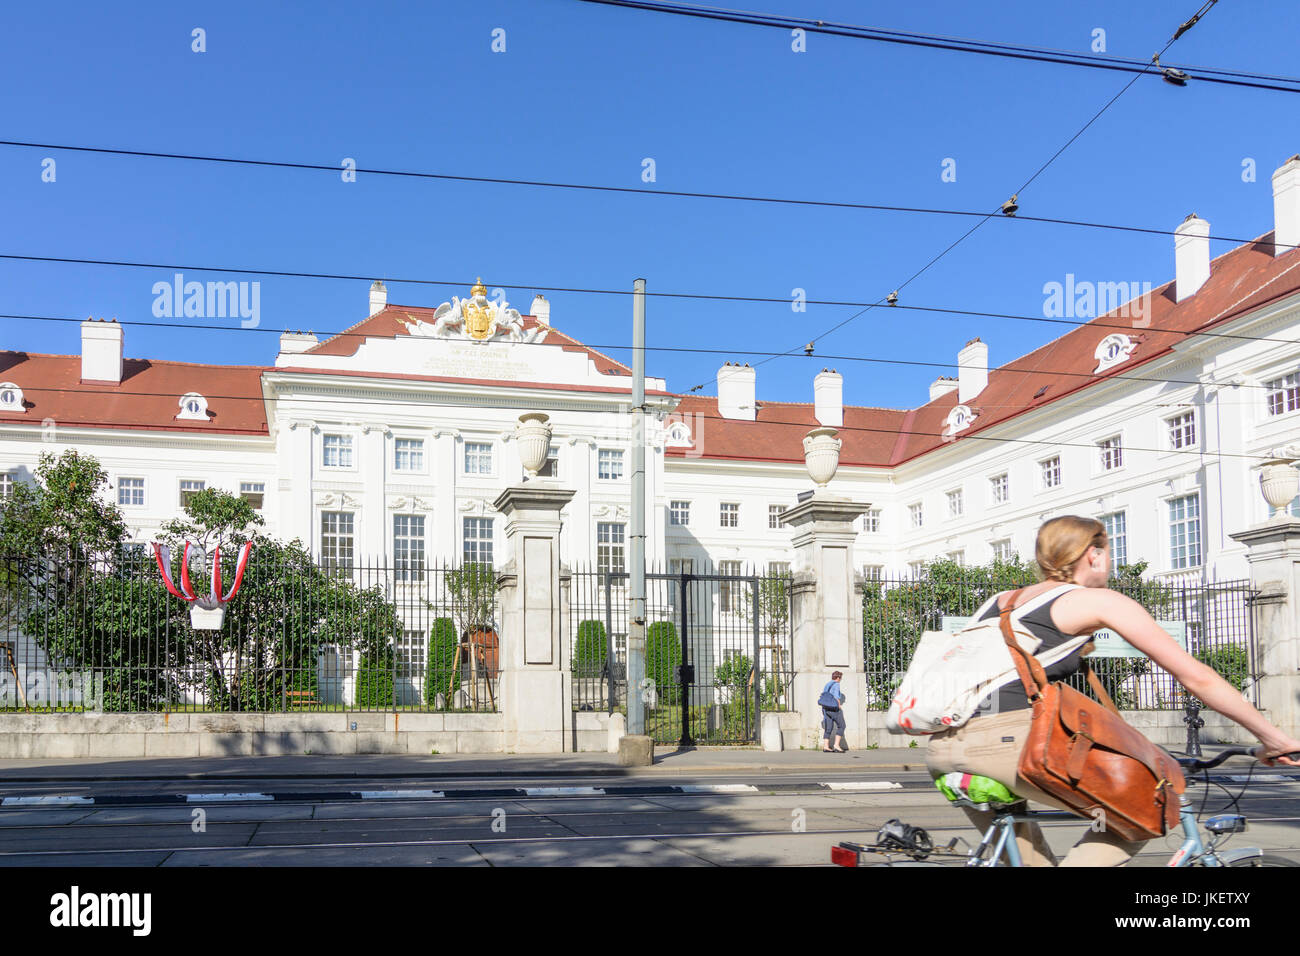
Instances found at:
x=477 y=313
x=478 y=319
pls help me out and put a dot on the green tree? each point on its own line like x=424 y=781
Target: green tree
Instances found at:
x=444 y=645
x=473 y=592
x=375 y=681
x=286 y=611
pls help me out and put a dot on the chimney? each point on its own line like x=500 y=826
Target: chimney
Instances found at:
x=542 y=310
x=973 y=371
x=942 y=386
x=101 y=351
x=291 y=343
x=828 y=398
x=1286 y=206
x=378 y=297
x=736 y=392
x=1191 y=256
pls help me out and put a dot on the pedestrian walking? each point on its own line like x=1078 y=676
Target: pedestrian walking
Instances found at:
x=832 y=701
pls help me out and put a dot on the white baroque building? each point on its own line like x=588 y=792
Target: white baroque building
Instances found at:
x=394 y=437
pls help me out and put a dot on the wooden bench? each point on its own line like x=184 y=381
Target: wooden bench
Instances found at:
x=301 y=698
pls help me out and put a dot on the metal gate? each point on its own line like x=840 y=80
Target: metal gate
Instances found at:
x=718 y=650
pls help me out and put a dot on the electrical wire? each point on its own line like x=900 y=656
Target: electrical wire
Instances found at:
x=735 y=197
x=1285 y=84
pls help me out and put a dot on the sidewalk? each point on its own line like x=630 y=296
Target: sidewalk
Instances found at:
x=668 y=761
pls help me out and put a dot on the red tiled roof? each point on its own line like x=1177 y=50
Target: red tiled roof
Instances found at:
x=1241 y=280
x=148 y=396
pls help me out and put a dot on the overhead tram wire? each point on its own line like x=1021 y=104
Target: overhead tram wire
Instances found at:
x=1041 y=169
x=1219 y=75
x=634 y=190
x=356 y=402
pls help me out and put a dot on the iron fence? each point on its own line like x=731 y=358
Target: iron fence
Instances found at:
x=718 y=649
x=300 y=635
x=1216 y=621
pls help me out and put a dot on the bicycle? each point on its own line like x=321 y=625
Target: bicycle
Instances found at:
x=896 y=838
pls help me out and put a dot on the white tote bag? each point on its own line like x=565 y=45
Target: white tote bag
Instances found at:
x=951 y=673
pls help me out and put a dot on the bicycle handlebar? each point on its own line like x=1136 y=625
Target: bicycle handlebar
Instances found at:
x=1191 y=763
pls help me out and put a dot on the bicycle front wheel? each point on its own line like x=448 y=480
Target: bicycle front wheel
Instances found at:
x=1264 y=859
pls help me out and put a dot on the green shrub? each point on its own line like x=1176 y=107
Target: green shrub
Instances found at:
x=663 y=652
x=444 y=645
x=592 y=650
x=733 y=673
x=1231 y=662
x=375 y=682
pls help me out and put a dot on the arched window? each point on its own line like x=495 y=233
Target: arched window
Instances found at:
x=194 y=407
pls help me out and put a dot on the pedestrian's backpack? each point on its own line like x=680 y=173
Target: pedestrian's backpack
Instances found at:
x=951 y=674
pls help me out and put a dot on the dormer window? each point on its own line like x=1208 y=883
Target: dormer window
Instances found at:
x=679 y=435
x=959 y=418
x=194 y=407
x=11 y=398
x=1113 y=350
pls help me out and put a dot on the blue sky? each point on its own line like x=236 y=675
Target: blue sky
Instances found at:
x=584 y=93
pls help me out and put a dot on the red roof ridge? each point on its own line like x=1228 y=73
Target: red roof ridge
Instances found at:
x=587 y=347
x=59 y=355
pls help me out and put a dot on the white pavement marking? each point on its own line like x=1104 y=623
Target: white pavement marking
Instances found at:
x=47 y=802
x=564 y=791
x=718 y=788
x=866 y=785
x=399 y=794
x=225 y=797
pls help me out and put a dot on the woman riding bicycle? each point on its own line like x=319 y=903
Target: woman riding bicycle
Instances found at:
x=1073 y=550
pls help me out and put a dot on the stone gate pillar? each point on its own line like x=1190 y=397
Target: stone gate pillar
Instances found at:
x=1274 y=556
x=826 y=613
x=536 y=692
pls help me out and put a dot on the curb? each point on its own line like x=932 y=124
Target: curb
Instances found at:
x=44 y=801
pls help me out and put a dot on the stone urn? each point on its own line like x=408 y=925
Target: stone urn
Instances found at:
x=821 y=454
x=1280 y=483
x=533 y=435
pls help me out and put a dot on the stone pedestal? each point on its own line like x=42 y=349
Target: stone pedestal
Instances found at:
x=536 y=704
x=1274 y=556
x=826 y=613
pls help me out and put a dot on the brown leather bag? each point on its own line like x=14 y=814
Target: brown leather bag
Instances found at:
x=1088 y=758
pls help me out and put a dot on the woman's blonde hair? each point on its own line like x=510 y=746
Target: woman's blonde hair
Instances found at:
x=1062 y=543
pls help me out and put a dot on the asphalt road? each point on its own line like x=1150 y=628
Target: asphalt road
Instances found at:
x=741 y=818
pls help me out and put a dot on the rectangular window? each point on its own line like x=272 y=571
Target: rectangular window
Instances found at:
x=1001 y=550
x=337 y=451
x=873 y=572
x=730 y=593
x=254 y=492
x=729 y=515
x=1049 y=472
x=408 y=547
x=681 y=565
x=916 y=568
x=410 y=653
x=679 y=513
x=957 y=557
x=774 y=515
x=478 y=541
x=778 y=569
x=130 y=491
x=1283 y=394
x=478 y=458
x=1112 y=455
x=1185 y=532
x=916 y=515
x=610 y=464
x=1182 y=430
x=552 y=467
x=408 y=454
x=956 y=506
x=1000 y=489
x=188 y=488
x=1117 y=532
x=6 y=484
x=1294 y=510
x=871 y=521
x=611 y=548
x=336 y=531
